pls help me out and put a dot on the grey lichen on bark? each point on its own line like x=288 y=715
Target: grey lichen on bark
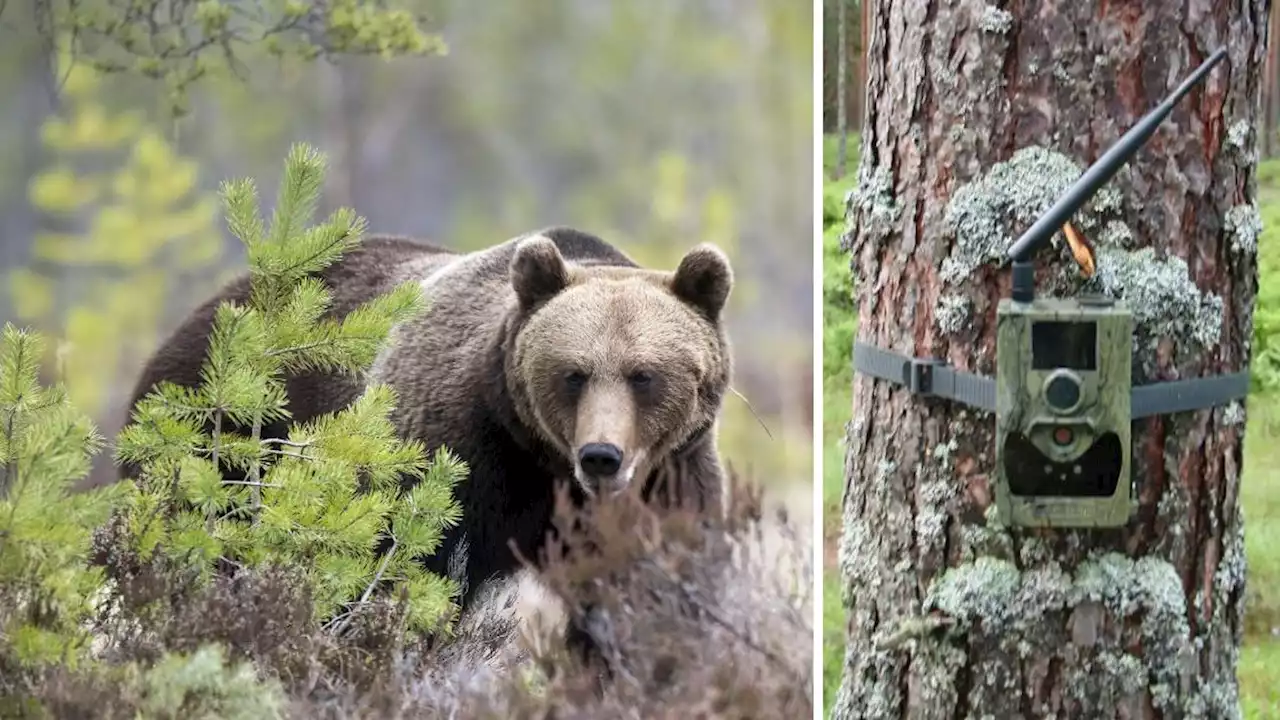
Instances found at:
x=983 y=214
x=1166 y=302
x=1243 y=225
x=976 y=122
x=872 y=200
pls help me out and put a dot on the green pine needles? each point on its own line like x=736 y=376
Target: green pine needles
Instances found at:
x=340 y=502
x=46 y=585
x=328 y=496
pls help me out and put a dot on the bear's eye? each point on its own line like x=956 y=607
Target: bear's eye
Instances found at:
x=640 y=380
x=574 y=380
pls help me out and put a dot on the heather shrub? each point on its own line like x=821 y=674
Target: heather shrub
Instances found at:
x=703 y=617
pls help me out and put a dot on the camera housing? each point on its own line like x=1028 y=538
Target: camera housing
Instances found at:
x=1063 y=412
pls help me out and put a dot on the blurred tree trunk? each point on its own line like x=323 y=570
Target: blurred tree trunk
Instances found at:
x=860 y=61
x=1269 y=94
x=342 y=140
x=843 y=47
x=842 y=86
x=950 y=615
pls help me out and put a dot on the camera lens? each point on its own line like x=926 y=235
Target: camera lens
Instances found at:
x=1062 y=392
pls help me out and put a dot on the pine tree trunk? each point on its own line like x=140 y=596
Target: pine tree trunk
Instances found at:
x=842 y=87
x=860 y=64
x=1269 y=89
x=950 y=615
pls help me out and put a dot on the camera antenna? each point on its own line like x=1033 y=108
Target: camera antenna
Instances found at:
x=1097 y=175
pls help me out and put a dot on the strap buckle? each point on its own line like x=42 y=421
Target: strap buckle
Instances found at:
x=918 y=374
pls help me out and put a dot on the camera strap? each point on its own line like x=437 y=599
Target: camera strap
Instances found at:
x=928 y=377
x=1172 y=396
x=931 y=377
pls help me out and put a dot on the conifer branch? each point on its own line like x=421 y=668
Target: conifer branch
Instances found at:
x=288 y=443
x=327 y=342
x=255 y=473
x=340 y=623
x=9 y=479
x=217 y=447
x=377 y=577
x=11 y=463
x=325 y=514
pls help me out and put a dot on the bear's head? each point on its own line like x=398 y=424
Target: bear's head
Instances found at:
x=617 y=367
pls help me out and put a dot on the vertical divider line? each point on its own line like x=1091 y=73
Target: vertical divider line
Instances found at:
x=817 y=522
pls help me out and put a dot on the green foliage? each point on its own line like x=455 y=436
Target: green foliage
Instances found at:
x=1265 y=363
x=1259 y=673
x=833 y=631
x=49 y=592
x=838 y=310
x=124 y=223
x=204 y=685
x=1259 y=668
x=179 y=42
x=839 y=325
x=46 y=585
x=324 y=497
x=1260 y=499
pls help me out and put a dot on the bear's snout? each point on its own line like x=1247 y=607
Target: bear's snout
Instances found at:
x=603 y=468
x=600 y=460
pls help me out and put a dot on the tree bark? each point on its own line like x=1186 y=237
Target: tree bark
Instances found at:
x=949 y=614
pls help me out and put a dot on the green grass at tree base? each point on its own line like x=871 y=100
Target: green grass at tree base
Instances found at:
x=1259 y=674
x=1259 y=667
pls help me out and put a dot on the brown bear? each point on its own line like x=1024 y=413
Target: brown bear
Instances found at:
x=550 y=357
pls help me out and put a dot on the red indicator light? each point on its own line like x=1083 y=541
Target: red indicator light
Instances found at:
x=1062 y=436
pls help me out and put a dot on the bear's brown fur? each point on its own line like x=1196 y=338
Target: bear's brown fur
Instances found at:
x=530 y=351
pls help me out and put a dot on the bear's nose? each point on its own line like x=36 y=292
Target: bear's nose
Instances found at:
x=600 y=459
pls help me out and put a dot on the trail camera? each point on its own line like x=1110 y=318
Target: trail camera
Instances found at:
x=1062 y=411
x=1062 y=396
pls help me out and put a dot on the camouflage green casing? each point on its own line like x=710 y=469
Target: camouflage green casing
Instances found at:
x=1058 y=464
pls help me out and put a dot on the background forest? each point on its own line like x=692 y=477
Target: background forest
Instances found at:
x=657 y=125
x=1259 y=667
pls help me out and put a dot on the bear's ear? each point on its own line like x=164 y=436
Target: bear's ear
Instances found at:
x=704 y=279
x=538 y=271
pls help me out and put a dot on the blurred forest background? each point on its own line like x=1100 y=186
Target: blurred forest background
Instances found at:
x=654 y=123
